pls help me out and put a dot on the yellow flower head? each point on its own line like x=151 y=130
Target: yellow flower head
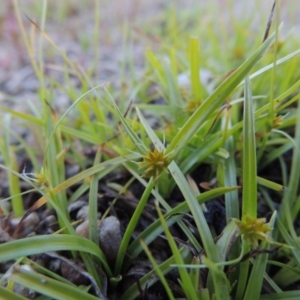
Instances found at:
x=277 y=121
x=39 y=178
x=254 y=230
x=154 y=163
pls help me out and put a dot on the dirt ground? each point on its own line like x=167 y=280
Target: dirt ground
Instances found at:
x=71 y=26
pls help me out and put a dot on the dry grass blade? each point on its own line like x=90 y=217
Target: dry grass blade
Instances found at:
x=269 y=22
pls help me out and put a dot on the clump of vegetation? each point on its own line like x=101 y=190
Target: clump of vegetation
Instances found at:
x=197 y=158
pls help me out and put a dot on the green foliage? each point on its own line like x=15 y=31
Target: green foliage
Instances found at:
x=239 y=119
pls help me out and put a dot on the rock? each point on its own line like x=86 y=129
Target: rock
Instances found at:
x=28 y=225
x=110 y=237
x=83 y=213
x=83 y=229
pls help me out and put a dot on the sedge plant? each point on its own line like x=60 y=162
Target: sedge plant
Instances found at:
x=226 y=101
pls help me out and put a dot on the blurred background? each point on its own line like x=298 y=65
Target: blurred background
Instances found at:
x=110 y=37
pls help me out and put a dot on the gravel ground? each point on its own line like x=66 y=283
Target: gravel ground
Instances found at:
x=74 y=35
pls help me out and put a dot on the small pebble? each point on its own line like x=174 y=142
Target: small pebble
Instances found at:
x=83 y=213
x=110 y=237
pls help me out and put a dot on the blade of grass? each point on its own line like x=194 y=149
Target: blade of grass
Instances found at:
x=290 y=295
x=45 y=243
x=249 y=157
x=137 y=141
x=93 y=203
x=131 y=226
x=195 y=276
x=57 y=124
x=271 y=66
x=229 y=175
x=48 y=286
x=195 y=69
x=215 y=100
x=249 y=205
x=158 y=271
x=151 y=232
x=11 y=295
x=167 y=207
x=165 y=267
x=221 y=284
x=256 y=277
x=11 y=161
x=184 y=276
x=196 y=210
x=290 y=196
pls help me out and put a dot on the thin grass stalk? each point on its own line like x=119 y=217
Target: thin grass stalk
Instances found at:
x=48 y=286
x=52 y=167
x=231 y=199
x=6 y=293
x=215 y=100
x=195 y=69
x=166 y=206
x=96 y=38
x=221 y=284
x=93 y=203
x=14 y=186
x=271 y=112
x=43 y=92
x=171 y=217
x=290 y=195
x=196 y=210
x=131 y=226
x=133 y=292
x=249 y=206
x=273 y=73
x=26 y=39
x=186 y=283
x=11 y=161
x=158 y=271
x=195 y=275
x=256 y=277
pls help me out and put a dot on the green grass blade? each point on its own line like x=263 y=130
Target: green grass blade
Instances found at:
x=45 y=243
x=93 y=203
x=277 y=63
x=256 y=278
x=184 y=276
x=158 y=271
x=137 y=141
x=289 y=295
x=165 y=267
x=195 y=69
x=10 y=160
x=249 y=206
x=229 y=175
x=221 y=284
x=7 y=294
x=197 y=212
x=290 y=195
x=47 y=286
x=249 y=157
x=151 y=232
x=66 y=112
x=215 y=100
x=131 y=226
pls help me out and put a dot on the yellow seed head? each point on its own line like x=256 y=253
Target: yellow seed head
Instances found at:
x=154 y=163
x=254 y=230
